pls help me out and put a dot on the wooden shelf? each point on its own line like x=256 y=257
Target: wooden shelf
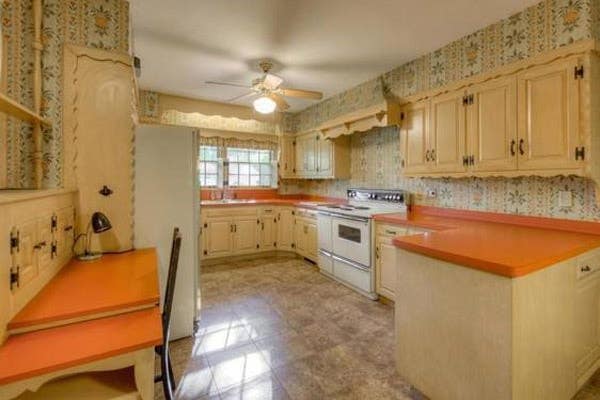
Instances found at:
x=14 y=109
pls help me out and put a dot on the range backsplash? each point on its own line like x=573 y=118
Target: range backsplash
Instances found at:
x=375 y=164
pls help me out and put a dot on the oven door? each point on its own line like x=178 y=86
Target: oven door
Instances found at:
x=352 y=239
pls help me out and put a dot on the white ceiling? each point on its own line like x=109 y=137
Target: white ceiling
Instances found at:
x=325 y=45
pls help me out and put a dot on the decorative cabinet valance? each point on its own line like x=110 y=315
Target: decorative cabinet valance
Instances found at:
x=377 y=116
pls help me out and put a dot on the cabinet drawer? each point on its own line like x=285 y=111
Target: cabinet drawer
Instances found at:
x=391 y=230
x=588 y=265
x=305 y=213
x=268 y=211
x=230 y=212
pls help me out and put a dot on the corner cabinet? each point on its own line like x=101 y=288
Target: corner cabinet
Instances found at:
x=233 y=231
x=535 y=119
x=319 y=158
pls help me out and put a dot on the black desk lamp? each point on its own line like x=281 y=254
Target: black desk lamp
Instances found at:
x=98 y=223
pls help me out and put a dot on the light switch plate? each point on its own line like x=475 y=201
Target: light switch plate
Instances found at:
x=565 y=199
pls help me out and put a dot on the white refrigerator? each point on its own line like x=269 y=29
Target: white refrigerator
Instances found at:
x=167 y=195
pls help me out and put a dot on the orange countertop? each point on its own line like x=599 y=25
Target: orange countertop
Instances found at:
x=310 y=204
x=505 y=245
x=35 y=353
x=83 y=290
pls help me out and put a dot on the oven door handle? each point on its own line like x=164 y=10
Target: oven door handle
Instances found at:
x=324 y=213
x=324 y=253
x=357 y=219
x=350 y=263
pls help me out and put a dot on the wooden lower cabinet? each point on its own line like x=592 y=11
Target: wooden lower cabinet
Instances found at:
x=385 y=257
x=245 y=235
x=268 y=229
x=305 y=229
x=35 y=247
x=217 y=233
x=238 y=231
x=285 y=228
x=587 y=315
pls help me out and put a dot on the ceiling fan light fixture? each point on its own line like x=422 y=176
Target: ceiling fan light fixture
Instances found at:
x=264 y=105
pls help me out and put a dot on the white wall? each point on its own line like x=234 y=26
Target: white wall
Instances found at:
x=166 y=196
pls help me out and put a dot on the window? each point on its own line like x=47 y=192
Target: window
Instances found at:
x=209 y=166
x=250 y=167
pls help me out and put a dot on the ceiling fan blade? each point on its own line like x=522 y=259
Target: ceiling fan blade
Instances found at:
x=302 y=94
x=241 y=96
x=271 y=81
x=227 y=84
x=281 y=103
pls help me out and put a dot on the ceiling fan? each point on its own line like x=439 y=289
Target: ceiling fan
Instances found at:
x=270 y=93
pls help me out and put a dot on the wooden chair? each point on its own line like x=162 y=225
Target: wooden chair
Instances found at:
x=166 y=370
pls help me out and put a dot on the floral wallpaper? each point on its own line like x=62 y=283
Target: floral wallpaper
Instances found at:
x=548 y=25
x=375 y=162
x=150 y=112
x=375 y=155
x=93 y=23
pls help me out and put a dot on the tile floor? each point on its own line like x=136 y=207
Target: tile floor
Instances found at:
x=275 y=328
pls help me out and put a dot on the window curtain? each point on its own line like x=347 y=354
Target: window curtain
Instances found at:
x=238 y=142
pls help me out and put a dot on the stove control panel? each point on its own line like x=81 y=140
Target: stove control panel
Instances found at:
x=391 y=196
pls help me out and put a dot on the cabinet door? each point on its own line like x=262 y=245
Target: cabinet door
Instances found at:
x=306 y=155
x=268 y=232
x=218 y=233
x=386 y=267
x=285 y=229
x=492 y=125
x=413 y=137
x=287 y=159
x=44 y=242
x=300 y=236
x=587 y=316
x=64 y=234
x=447 y=136
x=312 y=247
x=548 y=130
x=325 y=157
x=25 y=256
x=245 y=234
x=99 y=135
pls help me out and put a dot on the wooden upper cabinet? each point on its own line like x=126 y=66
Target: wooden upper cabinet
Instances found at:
x=548 y=109
x=413 y=137
x=492 y=125
x=447 y=136
x=287 y=157
x=318 y=157
x=324 y=157
x=306 y=155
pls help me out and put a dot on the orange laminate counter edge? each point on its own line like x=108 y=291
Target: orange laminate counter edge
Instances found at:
x=36 y=353
x=310 y=204
x=114 y=283
x=505 y=245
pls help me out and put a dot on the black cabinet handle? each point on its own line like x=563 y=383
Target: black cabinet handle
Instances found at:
x=521 y=144
x=512 y=147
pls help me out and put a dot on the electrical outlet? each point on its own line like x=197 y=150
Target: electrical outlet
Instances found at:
x=565 y=199
x=431 y=193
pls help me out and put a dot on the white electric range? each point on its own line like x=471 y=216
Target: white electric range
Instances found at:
x=346 y=239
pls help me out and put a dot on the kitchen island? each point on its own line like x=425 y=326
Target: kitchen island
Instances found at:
x=497 y=310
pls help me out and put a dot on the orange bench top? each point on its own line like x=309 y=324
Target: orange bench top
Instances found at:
x=504 y=245
x=84 y=290
x=36 y=353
